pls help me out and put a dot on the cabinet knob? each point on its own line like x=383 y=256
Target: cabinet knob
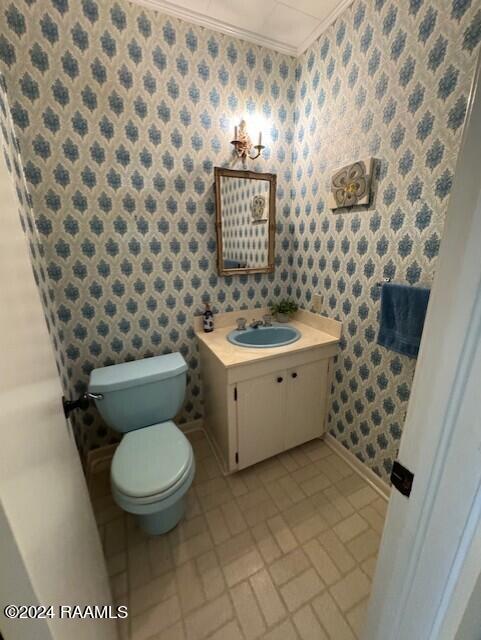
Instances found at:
x=294 y=375
x=279 y=379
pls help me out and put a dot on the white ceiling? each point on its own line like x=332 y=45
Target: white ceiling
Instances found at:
x=289 y=26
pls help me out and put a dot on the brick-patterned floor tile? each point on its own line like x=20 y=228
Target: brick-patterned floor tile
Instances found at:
x=152 y=593
x=260 y=512
x=266 y=543
x=230 y=631
x=308 y=625
x=369 y=567
x=350 y=527
x=301 y=589
x=139 y=566
x=351 y=589
x=364 y=545
x=309 y=528
x=322 y=562
x=247 y=611
x=284 y=550
x=299 y=512
x=337 y=551
x=189 y=587
x=243 y=567
x=282 y=533
x=289 y=566
x=253 y=498
x=341 y=503
x=217 y=525
x=331 y=618
x=375 y=519
x=315 y=484
x=156 y=619
x=268 y=597
x=211 y=575
x=213 y=615
x=191 y=548
x=326 y=509
x=284 y=631
x=175 y=632
x=233 y=517
x=357 y=617
x=362 y=497
x=351 y=484
x=235 y=547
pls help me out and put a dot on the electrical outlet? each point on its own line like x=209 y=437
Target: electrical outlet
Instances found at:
x=317 y=300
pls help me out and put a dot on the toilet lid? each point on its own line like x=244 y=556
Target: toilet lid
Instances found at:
x=151 y=460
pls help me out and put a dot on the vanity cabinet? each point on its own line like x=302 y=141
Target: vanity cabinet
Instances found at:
x=255 y=410
x=306 y=402
x=280 y=410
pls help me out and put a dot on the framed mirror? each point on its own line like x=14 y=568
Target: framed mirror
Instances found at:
x=245 y=204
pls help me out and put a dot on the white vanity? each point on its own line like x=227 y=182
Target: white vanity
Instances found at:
x=260 y=402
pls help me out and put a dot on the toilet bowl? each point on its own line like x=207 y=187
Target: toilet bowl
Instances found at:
x=151 y=472
x=153 y=467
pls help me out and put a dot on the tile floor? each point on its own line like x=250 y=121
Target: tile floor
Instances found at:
x=283 y=550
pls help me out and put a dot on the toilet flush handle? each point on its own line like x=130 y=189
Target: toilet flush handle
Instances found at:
x=94 y=396
x=82 y=402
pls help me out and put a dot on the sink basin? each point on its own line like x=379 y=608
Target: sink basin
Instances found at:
x=265 y=337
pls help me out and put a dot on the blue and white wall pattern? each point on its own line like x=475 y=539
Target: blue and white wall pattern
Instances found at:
x=121 y=114
x=389 y=79
x=10 y=150
x=244 y=240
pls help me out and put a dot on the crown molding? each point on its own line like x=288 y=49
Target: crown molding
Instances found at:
x=323 y=26
x=188 y=15
x=164 y=6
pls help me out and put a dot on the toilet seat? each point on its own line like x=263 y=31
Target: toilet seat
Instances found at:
x=152 y=463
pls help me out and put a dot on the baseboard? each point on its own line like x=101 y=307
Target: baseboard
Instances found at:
x=99 y=459
x=359 y=467
x=217 y=453
x=193 y=425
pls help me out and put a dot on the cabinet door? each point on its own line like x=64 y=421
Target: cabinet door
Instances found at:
x=261 y=417
x=306 y=402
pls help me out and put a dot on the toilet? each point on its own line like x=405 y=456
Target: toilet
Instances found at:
x=153 y=466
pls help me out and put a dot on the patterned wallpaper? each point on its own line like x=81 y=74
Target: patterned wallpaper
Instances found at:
x=121 y=115
x=244 y=241
x=10 y=151
x=389 y=80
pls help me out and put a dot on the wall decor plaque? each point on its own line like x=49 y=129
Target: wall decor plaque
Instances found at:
x=351 y=185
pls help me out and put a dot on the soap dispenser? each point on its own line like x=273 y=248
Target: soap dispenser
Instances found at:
x=208 y=319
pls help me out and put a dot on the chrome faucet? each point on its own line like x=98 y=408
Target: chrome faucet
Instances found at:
x=255 y=324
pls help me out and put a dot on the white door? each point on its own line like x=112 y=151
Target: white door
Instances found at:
x=430 y=557
x=261 y=417
x=50 y=552
x=306 y=402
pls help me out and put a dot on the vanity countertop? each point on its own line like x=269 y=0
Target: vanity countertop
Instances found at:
x=316 y=331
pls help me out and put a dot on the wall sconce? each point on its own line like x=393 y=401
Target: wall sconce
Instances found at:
x=243 y=145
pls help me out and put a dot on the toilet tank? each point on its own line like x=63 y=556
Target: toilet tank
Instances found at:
x=137 y=394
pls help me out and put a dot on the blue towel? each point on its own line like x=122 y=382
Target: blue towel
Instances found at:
x=403 y=309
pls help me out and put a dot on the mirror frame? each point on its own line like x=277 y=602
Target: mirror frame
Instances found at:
x=220 y=172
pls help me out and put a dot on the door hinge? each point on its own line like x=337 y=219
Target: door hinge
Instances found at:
x=235 y=393
x=402 y=478
x=237 y=457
